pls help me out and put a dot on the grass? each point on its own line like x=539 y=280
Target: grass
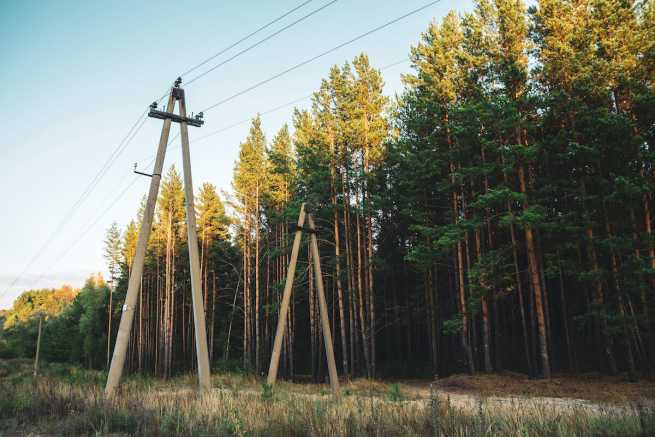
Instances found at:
x=69 y=401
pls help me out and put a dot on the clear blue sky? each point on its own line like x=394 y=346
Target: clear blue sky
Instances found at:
x=76 y=75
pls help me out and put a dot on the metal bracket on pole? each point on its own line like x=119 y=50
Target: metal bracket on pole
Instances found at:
x=145 y=174
x=178 y=94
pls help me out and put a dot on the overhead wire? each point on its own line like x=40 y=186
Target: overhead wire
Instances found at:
x=265 y=26
x=258 y=43
x=251 y=34
x=320 y=55
x=282 y=106
x=81 y=236
x=136 y=127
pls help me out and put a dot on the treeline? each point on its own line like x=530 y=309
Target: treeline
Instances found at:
x=520 y=185
x=74 y=324
x=497 y=214
x=81 y=327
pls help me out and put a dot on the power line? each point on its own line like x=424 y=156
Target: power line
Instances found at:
x=282 y=106
x=270 y=23
x=320 y=55
x=274 y=34
x=136 y=127
x=85 y=232
x=253 y=33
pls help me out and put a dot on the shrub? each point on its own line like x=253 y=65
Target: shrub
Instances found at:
x=394 y=394
x=267 y=392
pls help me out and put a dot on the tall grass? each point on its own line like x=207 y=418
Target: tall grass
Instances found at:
x=50 y=407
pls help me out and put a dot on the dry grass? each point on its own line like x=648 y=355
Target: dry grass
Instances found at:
x=56 y=408
x=68 y=401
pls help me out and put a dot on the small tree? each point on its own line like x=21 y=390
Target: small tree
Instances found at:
x=113 y=253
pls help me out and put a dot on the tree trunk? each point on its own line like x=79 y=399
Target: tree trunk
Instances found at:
x=360 y=288
x=573 y=364
x=533 y=269
x=337 y=256
x=258 y=340
x=485 y=311
x=371 y=294
x=599 y=302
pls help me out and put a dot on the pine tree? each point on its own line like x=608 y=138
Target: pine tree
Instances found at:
x=170 y=228
x=130 y=237
x=113 y=257
x=250 y=185
x=212 y=224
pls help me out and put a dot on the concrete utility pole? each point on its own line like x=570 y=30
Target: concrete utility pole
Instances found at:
x=286 y=298
x=38 y=345
x=127 y=316
x=111 y=292
x=192 y=238
x=322 y=305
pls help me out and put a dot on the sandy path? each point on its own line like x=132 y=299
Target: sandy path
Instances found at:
x=520 y=404
x=420 y=394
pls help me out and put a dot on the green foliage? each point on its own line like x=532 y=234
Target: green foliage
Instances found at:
x=230 y=366
x=453 y=326
x=50 y=302
x=267 y=392
x=113 y=252
x=394 y=394
x=74 y=329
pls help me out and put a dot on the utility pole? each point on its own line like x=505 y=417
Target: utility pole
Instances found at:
x=111 y=291
x=322 y=305
x=127 y=316
x=38 y=337
x=38 y=345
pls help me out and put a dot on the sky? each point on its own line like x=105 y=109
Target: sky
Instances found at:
x=76 y=75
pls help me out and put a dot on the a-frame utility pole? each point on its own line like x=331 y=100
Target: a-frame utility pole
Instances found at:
x=286 y=298
x=127 y=316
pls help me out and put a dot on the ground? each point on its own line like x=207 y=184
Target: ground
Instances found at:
x=592 y=387
x=65 y=400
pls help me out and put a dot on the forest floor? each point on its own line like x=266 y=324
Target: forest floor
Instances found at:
x=507 y=390
x=588 y=386
x=66 y=400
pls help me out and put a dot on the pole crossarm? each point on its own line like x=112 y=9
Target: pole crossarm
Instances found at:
x=177 y=93
x=196 y=122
